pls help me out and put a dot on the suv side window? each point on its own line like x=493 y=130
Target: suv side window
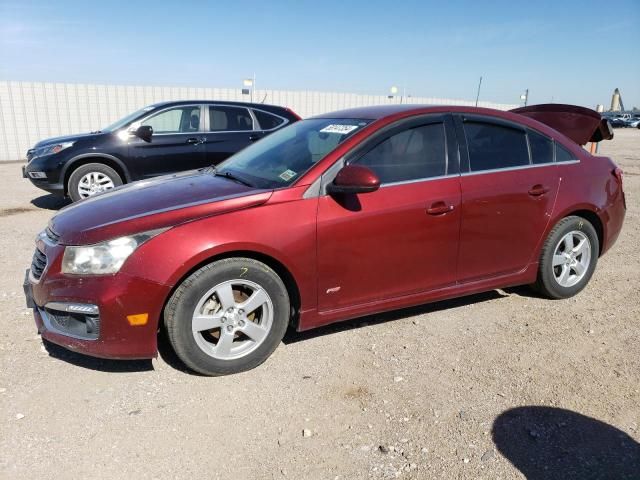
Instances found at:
x=564 y=155
x=541 y=148
x=267 y=121
x=413 y=154
x=493 y=146
x=232 y=119
x=175 y=120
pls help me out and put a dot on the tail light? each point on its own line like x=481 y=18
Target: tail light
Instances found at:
x=617 y=172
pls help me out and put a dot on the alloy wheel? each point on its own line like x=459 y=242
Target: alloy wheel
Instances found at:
x=232 y=319
x=571 y=258
x=94 y=182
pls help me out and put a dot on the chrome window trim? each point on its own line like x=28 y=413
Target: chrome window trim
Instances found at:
x=282 y=125
x=153 y=114
x=419 y=180
x=519 y=167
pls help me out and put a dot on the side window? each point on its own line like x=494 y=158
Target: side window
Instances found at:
x=493 y=146
x=541 y=148
x=267 y=121
x=412 y=154
x=563 y=155
x=223 y=118
x=175 y=120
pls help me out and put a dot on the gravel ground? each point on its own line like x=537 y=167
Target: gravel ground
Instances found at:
x=497 y=385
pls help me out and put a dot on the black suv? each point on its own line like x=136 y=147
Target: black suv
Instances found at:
x=156 y=140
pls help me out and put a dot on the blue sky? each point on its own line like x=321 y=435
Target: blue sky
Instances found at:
x=566 y=51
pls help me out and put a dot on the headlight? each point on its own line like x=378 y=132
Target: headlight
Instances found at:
x=103 y=258
x=51 y=149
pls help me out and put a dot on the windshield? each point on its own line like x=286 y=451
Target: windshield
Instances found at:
x=281 y=158
x=126 y=120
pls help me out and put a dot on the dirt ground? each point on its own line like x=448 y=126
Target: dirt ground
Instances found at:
x=497 y=385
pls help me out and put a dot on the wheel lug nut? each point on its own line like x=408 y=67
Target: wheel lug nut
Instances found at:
x=241 y=312
x=241 y=323
x=230 y=328
x=224 y=319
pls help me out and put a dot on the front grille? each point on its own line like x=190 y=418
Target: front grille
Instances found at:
x=38 y=264
x=52 y=236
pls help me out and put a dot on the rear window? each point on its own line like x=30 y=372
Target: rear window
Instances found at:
x=564 y=155
x=541 y=148
x=494 y=146
x=267 y=121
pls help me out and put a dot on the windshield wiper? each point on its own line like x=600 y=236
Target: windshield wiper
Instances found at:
x=233 y=177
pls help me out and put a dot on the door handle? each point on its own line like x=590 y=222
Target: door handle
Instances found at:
x=439 y=208
x=254 y=137
x=538 y=190
x=194 y=141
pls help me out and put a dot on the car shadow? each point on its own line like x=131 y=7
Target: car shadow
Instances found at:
x=547 y=443
x=98 y=364
x=50 y=202
x=292 y=336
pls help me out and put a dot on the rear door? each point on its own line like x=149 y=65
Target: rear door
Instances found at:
x=509 y=184
x=402 y=238
x=176 y=144
x=229 y=129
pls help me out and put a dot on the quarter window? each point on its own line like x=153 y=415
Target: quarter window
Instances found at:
x=541 y=148
x=494 y=146
x=412 y=154
x=564 y=155
x=175 y=120
x=267 y=121
x=223 y=118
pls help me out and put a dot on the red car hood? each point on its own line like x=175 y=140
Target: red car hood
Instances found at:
x=150 y=204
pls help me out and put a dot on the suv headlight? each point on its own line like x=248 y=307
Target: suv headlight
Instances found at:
x=51 y=149
x=105 y=257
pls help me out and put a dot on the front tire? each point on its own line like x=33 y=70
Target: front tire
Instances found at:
x=87 y=180
x=228 y=316
x=569 y=257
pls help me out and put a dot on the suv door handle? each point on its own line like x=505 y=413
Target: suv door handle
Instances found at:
x=439 y=208
x=194 y=141
x=254 y=137
x=538 y=190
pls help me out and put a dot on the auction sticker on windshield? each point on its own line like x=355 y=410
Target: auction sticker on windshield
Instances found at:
x=287 y=175
x=341 y=129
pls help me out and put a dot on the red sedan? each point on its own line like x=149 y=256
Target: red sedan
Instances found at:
x=338 y=216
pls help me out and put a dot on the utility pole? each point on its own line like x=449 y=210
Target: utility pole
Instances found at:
x=478 y=94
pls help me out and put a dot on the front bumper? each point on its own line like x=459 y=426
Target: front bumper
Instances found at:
x=104 y=332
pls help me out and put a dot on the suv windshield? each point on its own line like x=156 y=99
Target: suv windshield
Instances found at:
x=281 y=158
x=126 y=120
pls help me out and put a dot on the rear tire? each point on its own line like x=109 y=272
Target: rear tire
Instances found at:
x=87 y=180
x=568 y=259
x=228 y=316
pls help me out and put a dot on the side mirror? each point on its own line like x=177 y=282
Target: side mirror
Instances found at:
x=144 y=132
x=354 y=179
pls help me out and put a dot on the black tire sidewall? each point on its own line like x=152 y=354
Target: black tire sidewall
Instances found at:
x=78 y=173
x=181 y=306
x=547 y=281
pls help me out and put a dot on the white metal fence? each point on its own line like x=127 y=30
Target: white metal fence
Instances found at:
x=32 y=111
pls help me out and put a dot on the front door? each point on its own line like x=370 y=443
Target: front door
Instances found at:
x=229 y=129
x=509 y=184
x=177 y=143
x=402 y=238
